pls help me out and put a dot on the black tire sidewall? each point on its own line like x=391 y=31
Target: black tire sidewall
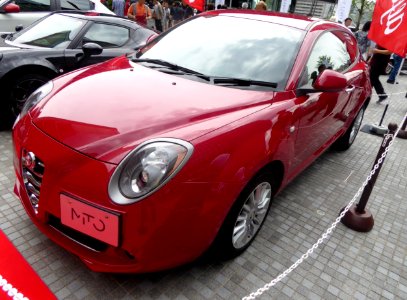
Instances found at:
x=20 y=79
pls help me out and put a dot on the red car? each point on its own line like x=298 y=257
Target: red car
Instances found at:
x=145 y=162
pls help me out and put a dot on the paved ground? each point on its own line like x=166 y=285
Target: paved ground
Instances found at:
x=349 y=266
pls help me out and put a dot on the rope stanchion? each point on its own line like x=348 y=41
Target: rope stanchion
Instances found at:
x=380 y=129
x=403 y=132
x=327 y=232
x=358 y=217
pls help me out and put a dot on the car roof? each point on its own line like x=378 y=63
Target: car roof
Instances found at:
x=92 y=15
x=292 y=20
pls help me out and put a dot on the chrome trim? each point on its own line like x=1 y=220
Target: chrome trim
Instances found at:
x=35 y=173
x=32 y=176
x=32 y=189
x=31 y=179
x=113 y=188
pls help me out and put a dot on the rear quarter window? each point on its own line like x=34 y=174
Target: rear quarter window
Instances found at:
x=33 y=5
x=77 y=5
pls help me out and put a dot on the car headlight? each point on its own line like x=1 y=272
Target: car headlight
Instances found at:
x=36 y=97
x=147 y=168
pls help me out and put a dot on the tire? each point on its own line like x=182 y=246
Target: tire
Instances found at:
x=345 y=141
x=245 y=218
x=17 y=92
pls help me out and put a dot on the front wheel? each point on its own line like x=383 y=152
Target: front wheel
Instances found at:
x=17 y=92
x=245 y=218
x=345 y=141
x=22 y=88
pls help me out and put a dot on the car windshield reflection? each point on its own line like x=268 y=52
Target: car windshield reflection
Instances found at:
x=229 y=47
x=55 y=31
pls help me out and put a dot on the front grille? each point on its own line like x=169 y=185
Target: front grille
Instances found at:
x=79 y=237
x=32 y=171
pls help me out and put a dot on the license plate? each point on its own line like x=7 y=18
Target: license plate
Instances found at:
x=95 y=222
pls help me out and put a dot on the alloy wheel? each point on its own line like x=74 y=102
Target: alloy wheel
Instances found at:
x=251 y=215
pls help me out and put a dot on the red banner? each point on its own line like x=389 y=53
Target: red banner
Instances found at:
x=389 y=25
x=198 y=4
x=17 y=279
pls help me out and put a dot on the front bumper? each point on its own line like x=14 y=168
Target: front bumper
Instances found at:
x=173 y=226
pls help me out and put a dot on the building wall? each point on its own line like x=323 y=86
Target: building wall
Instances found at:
x=315 y=8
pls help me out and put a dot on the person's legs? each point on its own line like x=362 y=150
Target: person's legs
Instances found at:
x=158 y=25
x=374 y=79
x=396 y=66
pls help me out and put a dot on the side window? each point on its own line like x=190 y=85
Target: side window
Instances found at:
x=107 y=36
x=351 y=45
x=76 y=5
x=329 y=52
x=34 y=5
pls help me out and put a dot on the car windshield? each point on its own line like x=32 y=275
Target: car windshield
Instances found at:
x=55 y=31
x=230 y=47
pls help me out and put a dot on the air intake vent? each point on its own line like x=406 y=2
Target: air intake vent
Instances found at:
x=32 y=170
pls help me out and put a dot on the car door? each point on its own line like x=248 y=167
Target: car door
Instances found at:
x=111 y=37
x=322 y=115
x=30 y=11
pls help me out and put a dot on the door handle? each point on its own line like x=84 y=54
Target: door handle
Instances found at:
x=350 y=88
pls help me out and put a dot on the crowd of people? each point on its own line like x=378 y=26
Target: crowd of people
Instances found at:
x=163 y=14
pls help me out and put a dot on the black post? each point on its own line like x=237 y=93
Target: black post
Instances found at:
x=403 y=127
x=358 y=217
x=384 y=113
x=403 y=133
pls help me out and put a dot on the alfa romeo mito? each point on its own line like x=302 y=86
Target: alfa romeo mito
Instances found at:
x=147 y=161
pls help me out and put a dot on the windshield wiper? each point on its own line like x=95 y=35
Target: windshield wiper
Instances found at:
x=176 y=72
x=73 y=5
x=242 y=82
x=171 y=66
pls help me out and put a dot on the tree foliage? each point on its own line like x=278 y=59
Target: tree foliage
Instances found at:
x=364 y=9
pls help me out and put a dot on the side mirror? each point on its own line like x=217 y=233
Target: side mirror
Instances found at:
x=19 y=28
x=12 y=8
x=330 y=81
x=90 y=49
x=327 y=81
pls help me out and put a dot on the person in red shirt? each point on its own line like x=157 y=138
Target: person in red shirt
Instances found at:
x=126 y=7
x=139 y=12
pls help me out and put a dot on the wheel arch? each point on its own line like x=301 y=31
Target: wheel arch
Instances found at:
x=219 y=243
x=276 y=168
x=28 y=69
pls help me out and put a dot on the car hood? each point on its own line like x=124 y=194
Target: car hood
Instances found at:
x=106 y=110
x=8 y=49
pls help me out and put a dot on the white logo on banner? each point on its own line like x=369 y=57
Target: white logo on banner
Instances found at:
x=394 y=15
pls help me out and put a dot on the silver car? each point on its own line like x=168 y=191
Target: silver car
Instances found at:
x=24 y=12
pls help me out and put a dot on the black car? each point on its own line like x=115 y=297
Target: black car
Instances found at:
x=23 y=13
x=60 y=43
